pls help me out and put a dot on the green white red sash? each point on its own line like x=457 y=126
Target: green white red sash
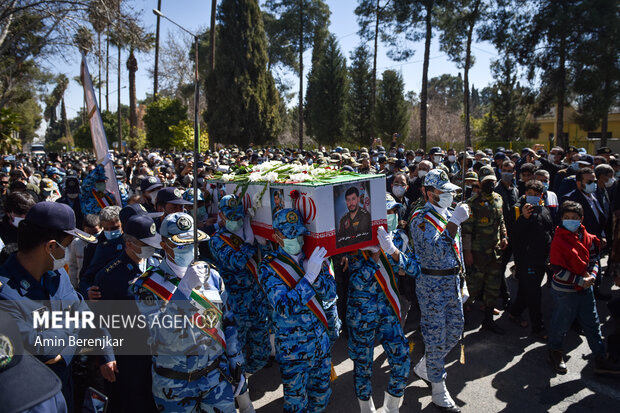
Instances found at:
x=387 y=280
x=439 y=223
x=103 y=201
x=164 y=288
x=235 y=243
x=291 y=274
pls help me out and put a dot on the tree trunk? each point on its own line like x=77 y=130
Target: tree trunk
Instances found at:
x=470 y=31
x=561 y=97
x=132 y=68
x=118 y=107
x=301 y=75
x=373 y=97
x=424 y=91
x=107 y=73
x=212 y=34
x=99 y=62
x=605 y=119
x=156 y=68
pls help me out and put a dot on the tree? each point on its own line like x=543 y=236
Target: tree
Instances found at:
x=242 y=100
x=313 y=93
x=360 y=96
x=446 y=91
x=371 y=17
x=183 y=136
x=300 y=20
x=327 y=116
x=54 y=127
x=160 y=115
x=392 y=108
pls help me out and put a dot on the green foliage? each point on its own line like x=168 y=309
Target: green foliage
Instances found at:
x=82 y=136
x=243 y=103
x=327 y=97
x=360 y=96
x=183 y=136
x=447 y=91
x=9 y=125
x=392 y=108
x=159 y=117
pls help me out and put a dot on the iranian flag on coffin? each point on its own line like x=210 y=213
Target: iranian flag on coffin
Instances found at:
x=342 y=213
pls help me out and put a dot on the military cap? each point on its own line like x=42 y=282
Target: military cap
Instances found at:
x=150 y=184
x=471 y=175
x=289 y=222
x=438 y=179
x=135 y=209
x=390 y=202
x=171 y=195
x=604 y=150
x=486 y=173
x=179 y=229
x=188 y=195
x=143 y=228
x=231 y=206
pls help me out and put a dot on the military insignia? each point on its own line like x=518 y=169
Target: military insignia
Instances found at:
x=184 y=224
x=484 y=220
x=422 y=226
x=443 y=176
x=211 y=318
x=142 y=207
x=6 y=351
x=147 y=297
x=153 y=229
x=25 y=284
x=152 y=180
x=292 y=217
x=236 y=240
x=178 y=193
x=355 y=224
x=190 y=191
x=232 y=202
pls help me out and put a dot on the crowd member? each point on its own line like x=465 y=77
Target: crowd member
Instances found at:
x=374 y=312
x=71 y=197
x=91 y=226
x=295 y=287
x=16 y=206
x=150 y=186
x=435 y=231
x=484 y=239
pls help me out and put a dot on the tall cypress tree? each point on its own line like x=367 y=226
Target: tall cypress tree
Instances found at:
x=328 y=109
x=241 y=93
x=392 y=111
x=360 y=97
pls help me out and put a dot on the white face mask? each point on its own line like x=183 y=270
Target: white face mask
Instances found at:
x=59 y=262
x=445 y=200
x=551 y=158
x=610 y=182
x=451 y=158
x=16 y=220
x=422 y=174
x=398 y=191
x=153 y=196
x=146 y=252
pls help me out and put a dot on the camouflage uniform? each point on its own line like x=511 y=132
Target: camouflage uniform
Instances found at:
x=246 y=296
x=370 y=316
x=302 y=341
x=87 y=199
x=482 y=234
x=191 y=350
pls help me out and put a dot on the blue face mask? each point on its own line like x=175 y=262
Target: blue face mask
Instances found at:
x=183 y=257
x=234 y=226
x=100 y=186
x=392 y=222
x=293 y=246
x=546 y=186
x=532 y=200
x=110 y=235
x=571 y=224
x=590 y=188
x=574 y=166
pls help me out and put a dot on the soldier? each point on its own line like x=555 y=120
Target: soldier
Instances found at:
x=236 y=257
x=373 y=311
x=484 y=238
x=435 y=232
x=94 y=196
x=355 y=220
x=199 y=368
x=295 y=287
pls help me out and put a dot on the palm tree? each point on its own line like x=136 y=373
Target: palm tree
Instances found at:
x=99 y=20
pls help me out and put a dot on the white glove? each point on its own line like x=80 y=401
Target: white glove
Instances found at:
x=106 y=159
x=247 y=230
x=464 y=293
x=385 y=240
x=460 y=214
x=261 y=240
x=194 y=277
x=314 y=264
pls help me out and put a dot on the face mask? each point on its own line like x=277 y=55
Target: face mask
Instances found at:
x=183 y=257
x=234 y=226
x=610 y=182
x=16 y=221
x=202 y=213
x=72 y=196
x=293 y=246
x=58 y=180
x=590 y=188
x=532 y=200
x=551 y=158
x=617 y=174
x=438 y=158
x=422 y=174
x=401 y=150
x=398 y=191
x=110 y=235
x=100 y=186
x=574 y=166
x=487 y=187
x=537 y=163
x=571 y=224
x=445 y=200
x=392 y=222
x=507 y=177
x=375 y=159
x=146 y=252
x=59 y=262
x=6 y=169
x=417 y=159
x=153 y=197
x=546 y=186
x=451 y=158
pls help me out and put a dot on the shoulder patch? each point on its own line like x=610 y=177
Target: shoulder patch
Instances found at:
x=422 y=226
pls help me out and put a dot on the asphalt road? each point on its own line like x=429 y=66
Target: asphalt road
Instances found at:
x=508 y=373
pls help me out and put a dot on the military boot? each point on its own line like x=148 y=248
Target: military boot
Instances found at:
x=367 y=406
x=420 y=369
x=442 y=399
x=391 y=403
x=244 y=402
x=489 y=324
x=557 y=361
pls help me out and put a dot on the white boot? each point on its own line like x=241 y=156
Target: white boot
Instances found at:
x=244 y=402
x=367 y=406
x=391 y=403
x=442 y=399
x=420 y=369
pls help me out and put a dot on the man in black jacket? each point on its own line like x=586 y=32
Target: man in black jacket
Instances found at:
x=532 y=232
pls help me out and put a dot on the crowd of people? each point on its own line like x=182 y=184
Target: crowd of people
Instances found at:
x=457 y=221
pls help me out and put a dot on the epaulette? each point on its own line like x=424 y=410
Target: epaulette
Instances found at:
x=269 y=257
x=111 y=266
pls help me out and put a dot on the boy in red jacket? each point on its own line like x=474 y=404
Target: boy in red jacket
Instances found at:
x=574 y=260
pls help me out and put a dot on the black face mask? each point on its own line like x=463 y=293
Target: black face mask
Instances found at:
x=487 y=187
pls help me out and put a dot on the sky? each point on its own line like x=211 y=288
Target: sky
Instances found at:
x=195 y=15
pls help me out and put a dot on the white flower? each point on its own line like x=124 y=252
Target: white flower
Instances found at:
x=300 y=168
x=256 y=200
x=265 y=166
x=299 y=177
x=228 y=177
x=255 y=177
x=317 y=171
x=271 y=176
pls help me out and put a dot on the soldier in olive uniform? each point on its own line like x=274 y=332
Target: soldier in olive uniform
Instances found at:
x=484 y=238
x=356 y=220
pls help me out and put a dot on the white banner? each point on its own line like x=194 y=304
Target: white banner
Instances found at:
x=100 y=143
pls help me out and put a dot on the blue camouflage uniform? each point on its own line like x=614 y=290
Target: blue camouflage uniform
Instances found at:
x=87 y=199
x=245 y=295
x=371 y=317
x=439 y=295
x=179 y=353
x=302 y=341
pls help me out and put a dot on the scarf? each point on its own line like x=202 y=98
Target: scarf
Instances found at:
x=571 y=253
